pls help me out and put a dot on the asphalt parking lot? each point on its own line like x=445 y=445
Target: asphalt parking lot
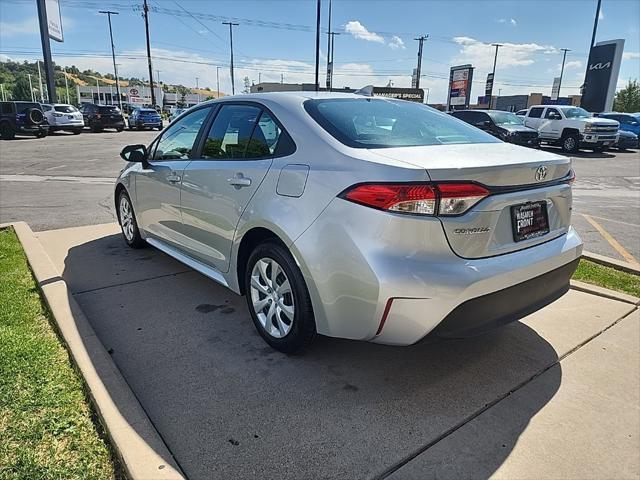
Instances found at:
x=65 y=181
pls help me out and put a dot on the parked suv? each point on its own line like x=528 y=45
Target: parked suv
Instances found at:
x=629 y=122
x=22 y=118
x=99 y=117
x=62 y=116
x=506 y=126
x=571 y=127
x=145 y=118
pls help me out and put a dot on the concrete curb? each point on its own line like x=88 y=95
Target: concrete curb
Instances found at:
x=612 y=262
x=604 y=292
x=140 y=448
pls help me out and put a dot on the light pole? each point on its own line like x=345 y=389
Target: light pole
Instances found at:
x=66 y=85
x=218 y=81
x=564 y=57
x=108 y=13
x=231 y=25
x=158 y=77
x=318 y=45
x=31 y=87
x=40 y=81
x=493 y=73
x=332 y=41
x=146 y=26
x=427 y=99
x=198 y=89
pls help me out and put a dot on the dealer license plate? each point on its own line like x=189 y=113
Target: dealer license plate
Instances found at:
x=529 y=220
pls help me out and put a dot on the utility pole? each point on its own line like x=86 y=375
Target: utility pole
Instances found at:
x=113 y=55
x=231 y=25
x=66 y=85
x=420 y=40
x=218 y=81
x=329 y=39
x=564 y=57
x=198 y=89
x=31 y=87
x=98 y=86
x=158 y=77
x=318 y=45
x=493 y=74
x=40 y=82
x=46 y=50
x=146 y=26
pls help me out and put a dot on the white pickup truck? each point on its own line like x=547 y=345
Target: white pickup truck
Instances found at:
x=571 y=127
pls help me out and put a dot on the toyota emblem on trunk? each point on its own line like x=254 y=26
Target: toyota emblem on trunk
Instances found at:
x=541 y=173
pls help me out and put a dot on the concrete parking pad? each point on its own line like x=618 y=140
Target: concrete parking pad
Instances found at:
x=590 y=429
x=228 y=406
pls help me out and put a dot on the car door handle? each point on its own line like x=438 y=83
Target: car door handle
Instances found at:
x=173 y=178
x=239 y=182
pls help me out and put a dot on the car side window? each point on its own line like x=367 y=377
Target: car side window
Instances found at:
x=231 y=133
x=535 y=112
x=264 y=140
x=176 y=142
x=551 y=114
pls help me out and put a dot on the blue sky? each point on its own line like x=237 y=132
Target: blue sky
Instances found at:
x=376 y=42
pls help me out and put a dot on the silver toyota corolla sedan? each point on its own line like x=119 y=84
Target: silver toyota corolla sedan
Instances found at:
x=356 y=217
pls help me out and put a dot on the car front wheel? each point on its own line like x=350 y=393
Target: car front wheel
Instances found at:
x=570 y=143
x=278 y=299
x=128 y=223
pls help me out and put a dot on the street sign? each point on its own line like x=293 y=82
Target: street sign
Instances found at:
x=603 y=68
x=54 y=20
x=460 y=78
x=488 y=89
x=555 y=89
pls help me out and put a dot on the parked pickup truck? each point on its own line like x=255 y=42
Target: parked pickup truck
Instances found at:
x=571 y=127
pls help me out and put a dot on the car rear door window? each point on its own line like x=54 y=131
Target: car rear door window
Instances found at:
x=535 y=112
x=231 y=133
x=176 y=143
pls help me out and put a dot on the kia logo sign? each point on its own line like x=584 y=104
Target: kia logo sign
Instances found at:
x=599 y=66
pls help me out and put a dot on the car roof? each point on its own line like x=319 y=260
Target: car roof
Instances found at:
x=287 y=98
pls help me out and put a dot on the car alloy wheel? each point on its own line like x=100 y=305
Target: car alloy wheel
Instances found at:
x=126 y=219
x=272 y=297
x=569 y=144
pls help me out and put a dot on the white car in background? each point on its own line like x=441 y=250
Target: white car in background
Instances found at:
x=62 y=116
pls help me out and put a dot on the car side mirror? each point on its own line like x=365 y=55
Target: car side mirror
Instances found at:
x=483 y=124
x=134 y=153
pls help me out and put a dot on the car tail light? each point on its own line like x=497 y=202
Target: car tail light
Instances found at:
x=457 y=198
x=571 y=177
x=418 y=198
x=400 y=197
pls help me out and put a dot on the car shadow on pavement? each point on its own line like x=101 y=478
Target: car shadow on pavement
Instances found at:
x=229 y=406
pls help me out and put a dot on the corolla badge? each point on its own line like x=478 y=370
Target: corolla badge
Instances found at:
x=541 y=173
x=471 y=231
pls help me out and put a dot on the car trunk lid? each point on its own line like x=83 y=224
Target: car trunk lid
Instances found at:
x=526 y=185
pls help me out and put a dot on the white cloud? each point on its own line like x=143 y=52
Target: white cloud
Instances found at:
x=510 y=21
x=601 y=15
x=359 y=31
x=630 y=55
x=510 y=54
x=396 y=43
x=573 y=64
x=28 y=26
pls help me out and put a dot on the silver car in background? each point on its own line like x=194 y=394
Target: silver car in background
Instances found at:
x=356 y=217
x=62 y=116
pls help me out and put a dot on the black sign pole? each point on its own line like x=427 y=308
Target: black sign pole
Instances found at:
x=46 y=51
x=593 y=41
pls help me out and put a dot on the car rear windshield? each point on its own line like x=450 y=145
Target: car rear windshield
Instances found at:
x=109 y=109
x=148 y=111
x=384 y=123
x=65 y=109
x=505 y=118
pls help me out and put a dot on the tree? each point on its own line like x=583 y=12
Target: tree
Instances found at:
x=21 y=89
x=628 y=99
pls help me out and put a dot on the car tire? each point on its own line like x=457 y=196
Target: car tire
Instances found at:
x=570 y=143
x=96 y=129
x=119 y=129
x=282 y=315
x=128 y=223
x=41 y=134
x=77 y=131
x=6 y=131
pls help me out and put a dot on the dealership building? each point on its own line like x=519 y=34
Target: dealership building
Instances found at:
x=138 y=96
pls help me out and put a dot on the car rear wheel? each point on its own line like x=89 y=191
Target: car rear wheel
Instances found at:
x=570 y=143
x=128 y=223
x=77 y=131
x=278 y=299
x=6 y=131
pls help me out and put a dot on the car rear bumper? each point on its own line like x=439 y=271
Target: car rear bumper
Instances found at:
x=32 y=129
x=481 y=314
x=390 y=279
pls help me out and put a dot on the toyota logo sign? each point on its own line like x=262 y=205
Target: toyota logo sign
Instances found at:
x=541 y=173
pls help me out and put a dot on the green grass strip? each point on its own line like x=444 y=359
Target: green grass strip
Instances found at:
x=47 y=428
x=607 y=277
